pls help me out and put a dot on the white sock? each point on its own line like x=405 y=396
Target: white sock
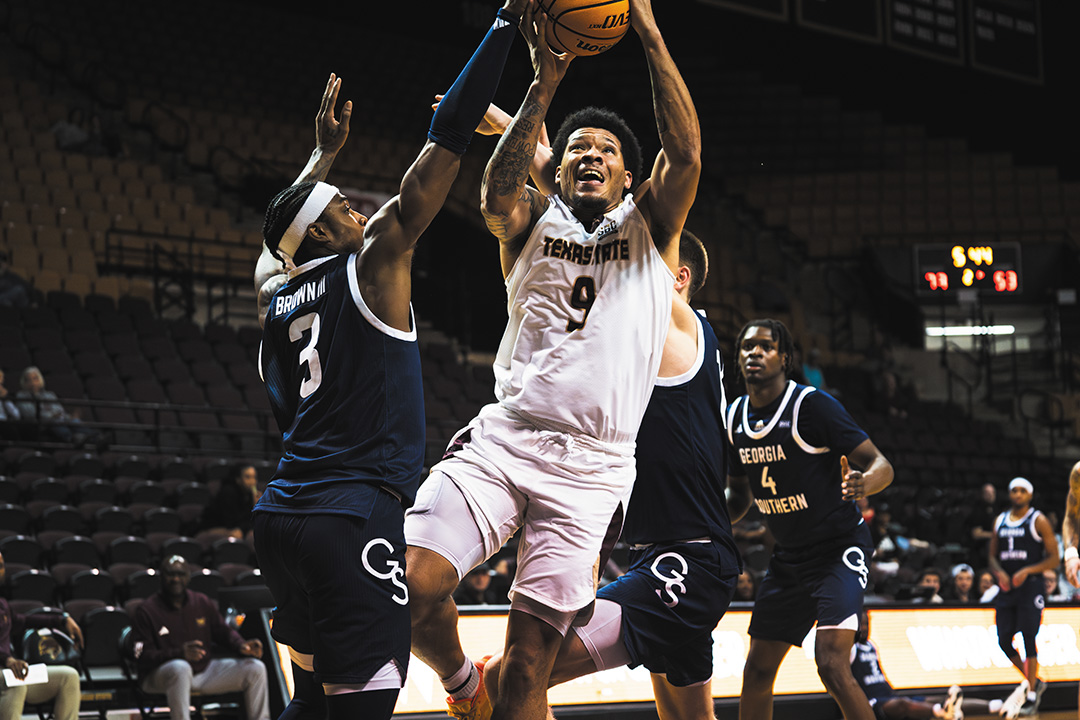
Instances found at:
x=1032 y=696
x=995 y=705
x=938 y=710
x=464 y=682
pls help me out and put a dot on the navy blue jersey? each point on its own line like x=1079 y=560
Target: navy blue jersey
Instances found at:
x=682 y=455
x=1018 y=542
x=866 y=667
x=346 y=392
x=790 y=450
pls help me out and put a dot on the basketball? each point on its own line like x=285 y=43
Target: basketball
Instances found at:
x=586 y=27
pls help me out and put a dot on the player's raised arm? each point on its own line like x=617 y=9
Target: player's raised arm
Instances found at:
x=1070 y=527
x=509 y=207
x=391 y=233
x=330 y=135
x=674 y=180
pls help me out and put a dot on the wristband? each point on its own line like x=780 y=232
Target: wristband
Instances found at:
x=1071 y=553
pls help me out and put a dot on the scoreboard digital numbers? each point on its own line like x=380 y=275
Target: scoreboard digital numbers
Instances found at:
x=1006 y=38
x=945 y=269
x=927 y=27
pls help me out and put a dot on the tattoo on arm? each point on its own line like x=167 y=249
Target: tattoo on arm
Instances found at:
x=514 y=155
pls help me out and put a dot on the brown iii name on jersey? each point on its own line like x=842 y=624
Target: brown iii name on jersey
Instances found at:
x=617 y=249
x=306 y=293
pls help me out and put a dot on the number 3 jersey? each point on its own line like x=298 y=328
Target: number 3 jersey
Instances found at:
x=790 y=452
x=588 y=314
x=346 y=392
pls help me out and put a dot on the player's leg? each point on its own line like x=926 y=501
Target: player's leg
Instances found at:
x=832 y=652
x=1007 y=622
x=292 y=614
x=694 y=702
x=448 y=535
x=308 y=701
x=898 y=708
x=759 y=676
x=532 y=643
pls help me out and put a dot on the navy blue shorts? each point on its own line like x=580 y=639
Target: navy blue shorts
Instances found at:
x=339 y=585
x=672 y=597
x=823 y=584
x=1020 y=611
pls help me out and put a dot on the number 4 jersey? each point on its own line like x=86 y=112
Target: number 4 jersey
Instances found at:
x=790 y=452
x=346 y=392
x=588 y=315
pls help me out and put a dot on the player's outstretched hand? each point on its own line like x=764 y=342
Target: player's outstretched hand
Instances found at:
x=547 y=65
x=330 y=132
x=1072 y=567
x=852 y=483
x=515 y=7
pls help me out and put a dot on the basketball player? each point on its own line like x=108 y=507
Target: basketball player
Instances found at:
x=866 y=668
x=1022 y=546
x=1070 y=532
x=342 y=369
x=791 y=446
x=662 y=611
x=589 y=273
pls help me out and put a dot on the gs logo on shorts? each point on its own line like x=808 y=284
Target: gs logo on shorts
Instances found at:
x=855 y=559
x=394 y=573
x=673 y=580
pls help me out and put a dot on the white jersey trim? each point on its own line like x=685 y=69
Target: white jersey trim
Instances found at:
x=309 y=265
x=775 y=418
x=731 y=411
x=698 y=362
x=806 y=447
x=1032 y=513
x=358 y=299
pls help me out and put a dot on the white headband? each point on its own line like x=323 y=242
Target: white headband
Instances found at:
x=313 y=207
x=1022 y=483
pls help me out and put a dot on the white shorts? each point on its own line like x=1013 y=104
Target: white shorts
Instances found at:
x=562 y=489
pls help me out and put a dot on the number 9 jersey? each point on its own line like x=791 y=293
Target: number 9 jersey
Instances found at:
x=347 y=394
x=588 y=315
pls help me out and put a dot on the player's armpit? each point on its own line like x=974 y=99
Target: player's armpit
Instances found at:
x=738 y=496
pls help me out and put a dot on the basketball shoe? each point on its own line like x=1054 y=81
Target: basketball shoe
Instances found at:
x=477 y=707
x=1015 y=701
x=953 y=707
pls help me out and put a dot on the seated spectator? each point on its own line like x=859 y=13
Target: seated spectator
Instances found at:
x=980 y=523
x=892 y=398
x=14 y=291
x=40 y=406
x=502 y=577
x=1055 y=590
x=62 y=686
x=812 y=371
x=745 y=588
x=9 y=414
x=475 y=587
x=928 y=586
x=963 y=585
x=988 y=587
x=174 y=630
x=231 y=509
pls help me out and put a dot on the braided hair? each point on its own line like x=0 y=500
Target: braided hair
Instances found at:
x=594 y=117
x=281 y=212
x=785 y=343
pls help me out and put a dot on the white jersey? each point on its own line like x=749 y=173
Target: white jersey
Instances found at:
x=588 y=315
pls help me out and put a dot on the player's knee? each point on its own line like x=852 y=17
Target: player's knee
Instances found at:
x=431 y=581
x=832 y=670
x=758 y=674
x=521 y=670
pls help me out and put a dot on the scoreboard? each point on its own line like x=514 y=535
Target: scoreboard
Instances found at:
x=997 y=36
x=946 y=269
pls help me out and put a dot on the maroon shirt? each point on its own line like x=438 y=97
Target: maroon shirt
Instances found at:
x=161 y=630
x=12 y=625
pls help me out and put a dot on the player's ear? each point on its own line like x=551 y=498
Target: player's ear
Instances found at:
x=629 y=180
